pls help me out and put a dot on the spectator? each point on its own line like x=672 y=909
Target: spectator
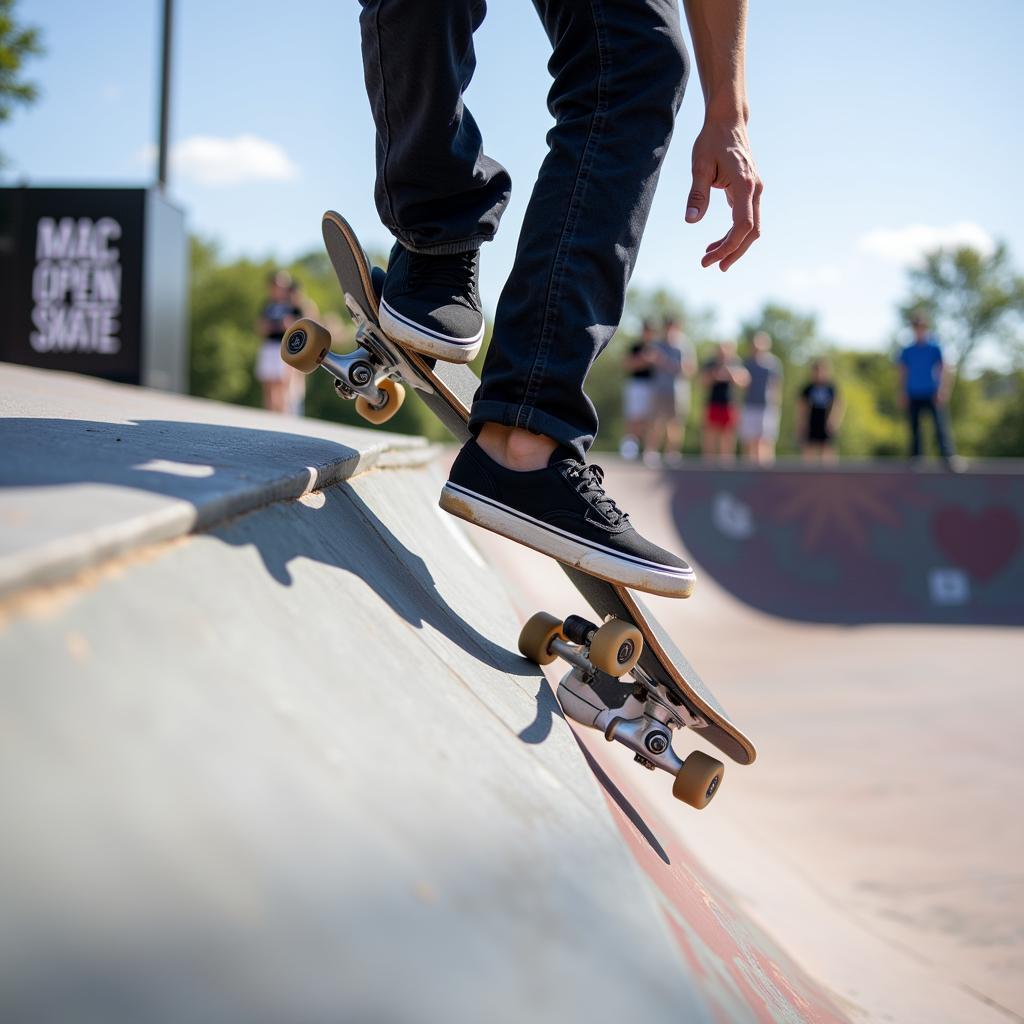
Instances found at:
x=759 y=419
x=722 y=375
x=279 y=313
x=674 y=364
x=637 y=392
x=821 y=412
x=302 y=306
x=924 y=387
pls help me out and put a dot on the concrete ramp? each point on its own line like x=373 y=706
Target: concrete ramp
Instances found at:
x=860 y=544
x=267 y=752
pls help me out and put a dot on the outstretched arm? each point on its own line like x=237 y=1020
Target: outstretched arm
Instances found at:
x=721 y=154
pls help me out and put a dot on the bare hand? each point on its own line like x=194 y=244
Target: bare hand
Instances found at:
x=722 y=159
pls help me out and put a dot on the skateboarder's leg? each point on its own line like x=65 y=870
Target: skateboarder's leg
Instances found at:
x=436 y=191
x=619 y=70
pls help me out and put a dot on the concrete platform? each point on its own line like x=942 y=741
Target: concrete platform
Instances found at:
x=90 y=471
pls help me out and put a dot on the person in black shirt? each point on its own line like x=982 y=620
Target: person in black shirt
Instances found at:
x=821 y=411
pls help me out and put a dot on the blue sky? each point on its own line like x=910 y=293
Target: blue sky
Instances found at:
x=879 y=128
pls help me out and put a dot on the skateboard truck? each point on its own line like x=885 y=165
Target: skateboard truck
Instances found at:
x=639 y=714
x=362 y=374
x=371 y=374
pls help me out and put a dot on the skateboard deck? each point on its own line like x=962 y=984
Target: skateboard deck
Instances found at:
x=670 y=691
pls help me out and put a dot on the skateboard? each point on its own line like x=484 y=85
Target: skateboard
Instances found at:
x=625 y=675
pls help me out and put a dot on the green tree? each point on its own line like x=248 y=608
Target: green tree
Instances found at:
x=17 y=44
x=972 y=299
x=794 y=335
x=872 y=425
x=223 y=342
x=998 y=427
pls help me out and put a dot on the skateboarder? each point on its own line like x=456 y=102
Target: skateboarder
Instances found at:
x=619 y=69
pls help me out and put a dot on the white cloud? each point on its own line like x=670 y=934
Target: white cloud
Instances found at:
x=907 y=246
x=828 y=275
x=208 y=160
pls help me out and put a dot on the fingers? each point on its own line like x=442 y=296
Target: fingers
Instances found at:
x=755 y=231
x=700 y=191
x=745 y=199
x=742 y=195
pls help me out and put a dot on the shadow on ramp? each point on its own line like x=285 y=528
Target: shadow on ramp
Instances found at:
x=338 y=529
x=206 y=464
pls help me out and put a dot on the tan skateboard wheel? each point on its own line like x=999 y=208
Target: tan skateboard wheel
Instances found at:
x=305 y=344
x=698 y=780
x=616 y=647
x=536 y=636
x=393 y=396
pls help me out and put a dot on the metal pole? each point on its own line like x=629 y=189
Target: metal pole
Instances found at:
x=165 y=92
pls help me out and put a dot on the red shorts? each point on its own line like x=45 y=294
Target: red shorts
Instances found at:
x=724 y=417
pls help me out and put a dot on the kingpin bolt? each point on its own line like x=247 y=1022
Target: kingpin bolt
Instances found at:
x=657 y=743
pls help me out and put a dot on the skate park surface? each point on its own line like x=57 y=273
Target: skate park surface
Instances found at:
x=269 y=752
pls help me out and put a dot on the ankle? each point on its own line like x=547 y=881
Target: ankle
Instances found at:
x=515 y=448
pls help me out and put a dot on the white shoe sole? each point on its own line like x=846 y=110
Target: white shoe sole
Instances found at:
x=427 y=342
x=587 y=556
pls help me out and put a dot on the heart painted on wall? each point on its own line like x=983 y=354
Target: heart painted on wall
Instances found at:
x=982 y=542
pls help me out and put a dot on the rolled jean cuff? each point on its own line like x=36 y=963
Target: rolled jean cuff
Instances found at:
x=528 y=417
x=445 y=248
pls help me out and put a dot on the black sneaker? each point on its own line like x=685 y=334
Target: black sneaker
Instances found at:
x=563 y=511
x=432 y=303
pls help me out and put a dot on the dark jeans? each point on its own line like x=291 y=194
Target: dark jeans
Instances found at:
x=619 y=70
x=916 y=406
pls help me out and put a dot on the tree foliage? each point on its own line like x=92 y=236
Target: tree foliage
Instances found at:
x=794 y=335
x=972 y=299
x=17 y=44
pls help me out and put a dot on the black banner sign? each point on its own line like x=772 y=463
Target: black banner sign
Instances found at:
x=71 y=273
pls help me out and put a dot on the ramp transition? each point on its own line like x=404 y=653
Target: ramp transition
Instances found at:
x=860 y=545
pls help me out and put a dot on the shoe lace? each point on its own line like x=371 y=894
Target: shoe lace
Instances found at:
x=455 y=269
x=589 y=482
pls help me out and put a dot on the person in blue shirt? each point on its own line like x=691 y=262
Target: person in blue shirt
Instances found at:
x=924 y=388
